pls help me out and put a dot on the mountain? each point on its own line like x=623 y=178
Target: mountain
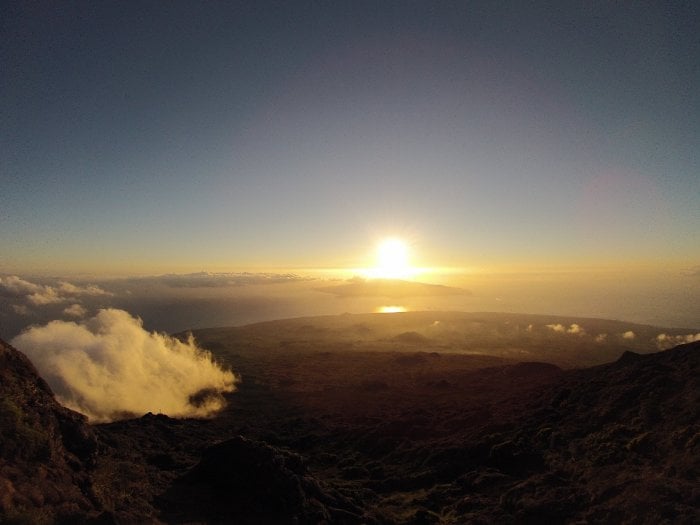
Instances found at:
x=46 y=450
x=619 y=443
x=394 y=435
x=255 y=483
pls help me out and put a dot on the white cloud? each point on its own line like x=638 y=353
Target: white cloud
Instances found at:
x=219 y=280
x=665 y=341
x=576 y=330
x=75 y=310
x=629 y=335
x=47 y=295
x=16 y=286
x=560 y=328
x=65 y=288
x=42 y=294
x=601 y=338
x=573 y=329
x=110 y=367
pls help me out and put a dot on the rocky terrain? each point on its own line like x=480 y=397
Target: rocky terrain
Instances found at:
x=46 y=451
x=396 y=432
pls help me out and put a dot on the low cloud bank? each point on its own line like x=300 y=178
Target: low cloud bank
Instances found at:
x=109 y=367
x=43 y=294
x=666 y=341
x=220 y=280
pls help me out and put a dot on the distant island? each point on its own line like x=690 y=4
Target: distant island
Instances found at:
x=360 y=287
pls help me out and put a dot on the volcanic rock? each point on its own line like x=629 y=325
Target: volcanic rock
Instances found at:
x=45 y=449
x=252 y=482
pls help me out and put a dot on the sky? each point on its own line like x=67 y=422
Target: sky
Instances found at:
x=154 y=137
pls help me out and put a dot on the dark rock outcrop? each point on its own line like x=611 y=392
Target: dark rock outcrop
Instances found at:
x=45 y=449
x=619 y=443
x=252 y=482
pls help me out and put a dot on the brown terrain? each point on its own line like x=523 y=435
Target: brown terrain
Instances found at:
x=398 y=419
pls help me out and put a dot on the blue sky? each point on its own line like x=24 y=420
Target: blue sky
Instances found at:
x=226 y=136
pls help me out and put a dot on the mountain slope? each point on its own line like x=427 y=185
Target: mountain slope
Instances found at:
x=422 y=442
x=621 y=442
x=44 y=448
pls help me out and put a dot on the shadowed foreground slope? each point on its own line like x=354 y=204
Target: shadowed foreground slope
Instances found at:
x=45 y=450
x=479 y=440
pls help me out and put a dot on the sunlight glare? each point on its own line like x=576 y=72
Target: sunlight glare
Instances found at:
x=390 y=309
x=392 y=259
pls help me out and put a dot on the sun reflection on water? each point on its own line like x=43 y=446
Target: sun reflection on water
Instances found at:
x=390 y=309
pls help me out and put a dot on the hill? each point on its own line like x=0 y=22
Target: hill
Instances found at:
x=378 y=427
x=568 y=342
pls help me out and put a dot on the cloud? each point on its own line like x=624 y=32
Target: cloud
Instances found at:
x=601 y=338
x=168 y=303
x=560 y=328
x=75 y=310
x=16 y=286
x=666 y=341
x=68 y=289
x=221 y=280
x=576 y=330
x=36 y=294
x=573 y=329
x=47 y=295
x=109 y=367
x=629 y=335
x=42 y=294
x=20 y=309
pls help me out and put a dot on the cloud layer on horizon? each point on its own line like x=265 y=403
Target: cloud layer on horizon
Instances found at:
x=44 y=294
x=220 y=279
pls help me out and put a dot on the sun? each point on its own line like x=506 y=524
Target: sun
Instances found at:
x=392 y=259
